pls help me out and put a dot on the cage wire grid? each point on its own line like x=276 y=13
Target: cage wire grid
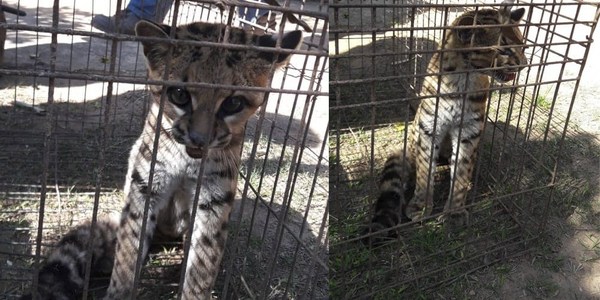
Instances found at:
x=74 y=101
x=379 y=52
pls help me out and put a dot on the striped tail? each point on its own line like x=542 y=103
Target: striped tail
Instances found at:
x=63 y=273
x=395 y=190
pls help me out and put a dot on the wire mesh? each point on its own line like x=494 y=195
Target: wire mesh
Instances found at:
x=72 y=104
x=379 y=52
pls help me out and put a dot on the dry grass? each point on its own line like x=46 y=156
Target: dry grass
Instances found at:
x=73 y=169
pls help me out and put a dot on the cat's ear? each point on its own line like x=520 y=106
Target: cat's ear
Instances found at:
x=517 y=14
x=290 y=40
x=146 y=28
x=507 y=6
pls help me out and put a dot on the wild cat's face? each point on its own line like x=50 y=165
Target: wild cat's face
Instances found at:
x=503 y=46
x=211 y=117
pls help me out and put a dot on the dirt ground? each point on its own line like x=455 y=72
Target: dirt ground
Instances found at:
x=572 y=266
x=277 y=245
x=564 y=263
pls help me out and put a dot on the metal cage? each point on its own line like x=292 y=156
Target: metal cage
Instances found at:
x=74 y=99
x=379 y=52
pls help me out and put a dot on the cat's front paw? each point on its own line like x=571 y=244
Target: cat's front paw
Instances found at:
x=417 y=210
x=377 y=234
x=455 y=219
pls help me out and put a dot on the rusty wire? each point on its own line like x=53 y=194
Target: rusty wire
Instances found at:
x=294 y=138
x=379 y=55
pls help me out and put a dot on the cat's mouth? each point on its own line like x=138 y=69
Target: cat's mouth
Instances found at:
x=503 y=76
x=194 y=152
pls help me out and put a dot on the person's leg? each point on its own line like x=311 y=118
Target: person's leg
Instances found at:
x=251 y=14
x=154 y=10
x=259 y=16
x=247 y=13
x=143 y=9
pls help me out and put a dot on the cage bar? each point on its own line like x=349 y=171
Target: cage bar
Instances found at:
x=379 y=53
x=73 y=102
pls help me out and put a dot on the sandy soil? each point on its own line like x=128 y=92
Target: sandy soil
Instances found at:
x=566 y=262
x=277 y=241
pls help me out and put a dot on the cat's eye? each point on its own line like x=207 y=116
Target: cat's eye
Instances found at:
x=232 y=105
x=178 y=95
x=505 y=51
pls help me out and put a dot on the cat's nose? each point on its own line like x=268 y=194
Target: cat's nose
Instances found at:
x=198 y=139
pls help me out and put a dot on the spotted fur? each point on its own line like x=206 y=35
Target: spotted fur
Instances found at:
x=452 y=111
x=200 y=135
x=201 y=130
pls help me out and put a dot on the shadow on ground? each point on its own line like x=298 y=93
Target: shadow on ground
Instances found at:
x=385 y=85
x=514 y=212
x=72 y=175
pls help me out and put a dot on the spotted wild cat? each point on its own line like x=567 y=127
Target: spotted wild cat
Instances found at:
x=451 y=114
x=200 y=135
